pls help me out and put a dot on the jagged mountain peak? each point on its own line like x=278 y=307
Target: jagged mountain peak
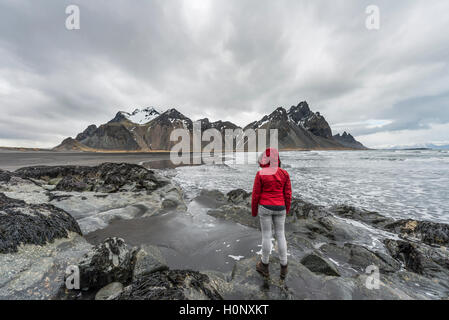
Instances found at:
x=302 y=116
x=344 y=135
x=302 y=108
x=298 y=114
x=172 y=113
x=172 y=118
x=347 y=140
x=219 y=125
x=279 y=114
x=223 y=125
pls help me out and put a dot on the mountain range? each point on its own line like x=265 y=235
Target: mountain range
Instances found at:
x=148 y=129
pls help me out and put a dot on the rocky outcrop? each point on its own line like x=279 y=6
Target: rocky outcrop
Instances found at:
x=22 y=223
x=421 y=259
x=5 y=176
x=106 y=177
x=236 y=208
x=347 y=140
x=109 y=292
x=432 y=233
x=372 y=218
x=360 y=257
x=112 y=270
x=97 y=195
x=171 y=285
x=36 y=272
x=110 y=261
x=148 y=259
x=37 y=243
x=320 y=265
x=239 y=197
x=245 y=283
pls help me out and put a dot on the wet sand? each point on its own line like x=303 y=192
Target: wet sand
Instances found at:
x=188 y=240
x=14 y=160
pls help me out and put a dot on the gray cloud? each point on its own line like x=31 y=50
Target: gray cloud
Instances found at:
x=233 y=60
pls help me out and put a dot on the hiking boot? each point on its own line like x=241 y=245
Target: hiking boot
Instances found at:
x=284 y=271
x=263 y=269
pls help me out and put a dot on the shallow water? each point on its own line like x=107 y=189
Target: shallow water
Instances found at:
x=188 y=240
x=399 y=184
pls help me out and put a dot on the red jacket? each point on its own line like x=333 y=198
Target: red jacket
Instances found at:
x=272 y=184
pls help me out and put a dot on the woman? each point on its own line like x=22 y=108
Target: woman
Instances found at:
x=271 y=199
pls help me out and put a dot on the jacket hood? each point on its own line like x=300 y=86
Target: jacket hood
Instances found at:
x=270 y=158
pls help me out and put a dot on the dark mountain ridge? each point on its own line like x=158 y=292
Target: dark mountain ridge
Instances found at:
x=147 y=129
x=347 y=140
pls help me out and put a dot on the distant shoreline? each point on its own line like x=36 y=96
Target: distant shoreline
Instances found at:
x=21 y=149
x=102 y=151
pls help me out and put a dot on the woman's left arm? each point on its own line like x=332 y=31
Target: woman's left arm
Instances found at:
x=257 y=190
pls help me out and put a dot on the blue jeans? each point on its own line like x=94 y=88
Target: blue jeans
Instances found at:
x=277 y=218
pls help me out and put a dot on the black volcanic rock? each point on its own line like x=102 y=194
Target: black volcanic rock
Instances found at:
x=171 y=285
x=418 y=258
x=23 y=223
x=320 y=265
x=432 y=233
x=109 y=261
x=5 y=176
x=106 y=177
x=369 y=217
x=347 y=140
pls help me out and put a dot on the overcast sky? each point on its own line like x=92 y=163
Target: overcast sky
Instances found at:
x=225 y=59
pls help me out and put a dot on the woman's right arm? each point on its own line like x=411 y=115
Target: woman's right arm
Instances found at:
x=257 y=191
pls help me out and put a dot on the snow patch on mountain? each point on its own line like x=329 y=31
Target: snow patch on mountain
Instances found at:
x=141 y=116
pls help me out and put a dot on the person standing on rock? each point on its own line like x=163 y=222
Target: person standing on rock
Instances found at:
x=271 y=200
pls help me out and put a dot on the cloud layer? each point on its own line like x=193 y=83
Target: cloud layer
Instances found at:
x=232 y=60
